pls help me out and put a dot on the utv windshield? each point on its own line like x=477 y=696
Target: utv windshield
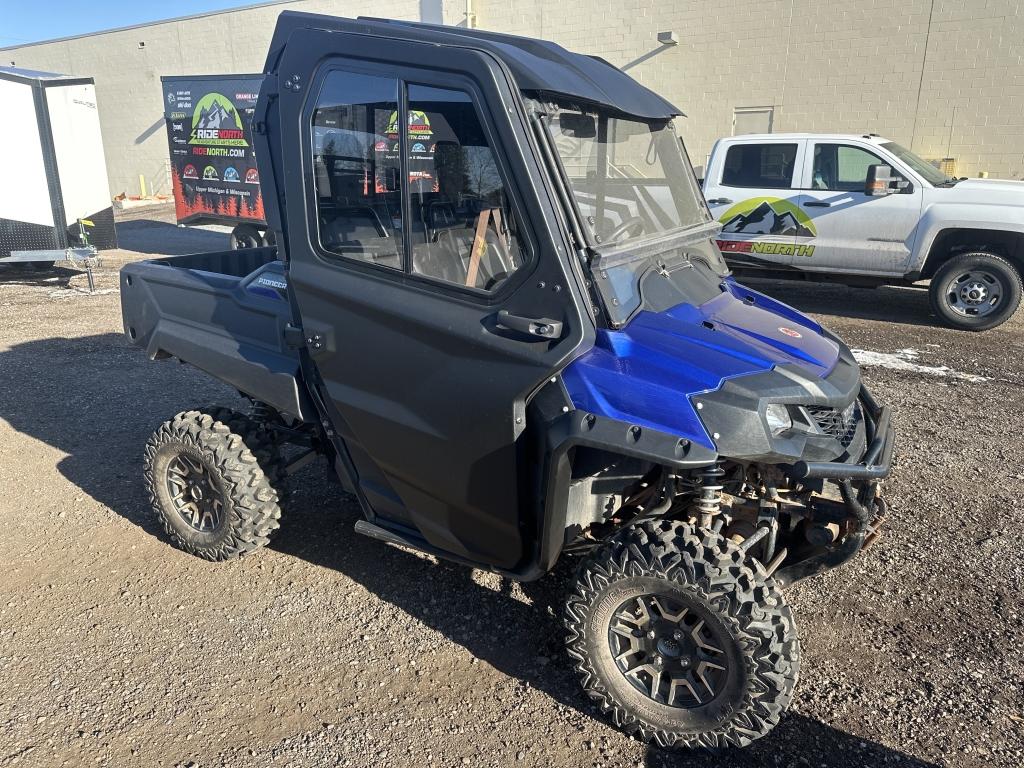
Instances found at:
x=641 y=209
x=630 y=179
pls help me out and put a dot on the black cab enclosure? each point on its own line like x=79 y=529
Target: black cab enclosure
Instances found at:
x=497 y=307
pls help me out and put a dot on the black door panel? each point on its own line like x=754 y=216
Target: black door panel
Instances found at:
x=430 y=392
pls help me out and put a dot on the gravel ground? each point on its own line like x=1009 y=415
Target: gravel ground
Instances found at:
x=332 y=649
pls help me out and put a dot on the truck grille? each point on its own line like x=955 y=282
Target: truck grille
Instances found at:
x=840 y=424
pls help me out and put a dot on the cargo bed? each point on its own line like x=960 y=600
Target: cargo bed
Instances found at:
x=223 y=312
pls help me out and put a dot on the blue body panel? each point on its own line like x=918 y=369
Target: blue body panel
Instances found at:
x=647 y=372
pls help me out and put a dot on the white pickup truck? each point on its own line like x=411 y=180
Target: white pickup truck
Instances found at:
x=862 y=210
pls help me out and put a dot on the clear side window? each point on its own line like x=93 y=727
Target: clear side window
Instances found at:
x=462 y=226
x=356 y=168
x=763 y=166
x=841 y=167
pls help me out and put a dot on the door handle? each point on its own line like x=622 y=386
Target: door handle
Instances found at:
x=719 y=201
x=817 y=204
x=541 y=327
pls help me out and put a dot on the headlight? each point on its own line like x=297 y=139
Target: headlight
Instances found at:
x=778 y=418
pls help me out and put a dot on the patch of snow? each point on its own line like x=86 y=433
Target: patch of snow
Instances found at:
x=906 y=360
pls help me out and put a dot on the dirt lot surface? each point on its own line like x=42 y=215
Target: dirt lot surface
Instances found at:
x=332 y=649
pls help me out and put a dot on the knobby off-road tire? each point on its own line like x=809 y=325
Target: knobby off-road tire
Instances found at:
x=233 y=462
x=962 y=290
x=735 y=642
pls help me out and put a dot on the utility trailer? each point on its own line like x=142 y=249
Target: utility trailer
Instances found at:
x=55 y=199
x=213 y=163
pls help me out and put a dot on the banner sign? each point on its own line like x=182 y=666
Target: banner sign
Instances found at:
x=213 y=165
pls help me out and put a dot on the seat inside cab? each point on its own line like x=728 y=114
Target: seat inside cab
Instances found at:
x=461 y=228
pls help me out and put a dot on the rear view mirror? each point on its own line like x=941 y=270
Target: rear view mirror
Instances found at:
x=578 y=125
x=879 y=181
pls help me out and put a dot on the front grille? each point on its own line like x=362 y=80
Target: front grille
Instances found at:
x=840 y=424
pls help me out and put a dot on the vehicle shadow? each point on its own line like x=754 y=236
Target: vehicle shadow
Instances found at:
x=517 y=629
x=82 y=395
x=56 y=276
x=91 y=415
x=891 y=304
x=166 y=239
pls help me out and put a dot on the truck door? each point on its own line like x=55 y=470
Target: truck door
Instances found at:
x=752 y=190
x=423 y=264
x=855 y=233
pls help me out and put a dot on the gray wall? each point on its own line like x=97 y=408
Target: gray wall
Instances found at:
x=128 y=77
x=944 y=77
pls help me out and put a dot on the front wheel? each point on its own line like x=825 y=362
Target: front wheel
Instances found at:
x=680 y=639
x=975 y=291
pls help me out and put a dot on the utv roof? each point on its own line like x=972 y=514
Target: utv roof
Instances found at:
x=537 y=66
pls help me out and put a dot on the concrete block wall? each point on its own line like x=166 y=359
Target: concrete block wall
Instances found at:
x=838 y=66
x=128 y=77
x=944 y=77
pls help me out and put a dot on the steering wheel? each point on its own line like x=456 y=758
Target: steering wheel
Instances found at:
x=630 y=224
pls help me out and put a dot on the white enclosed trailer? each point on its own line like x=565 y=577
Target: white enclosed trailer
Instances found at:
x=54 y=197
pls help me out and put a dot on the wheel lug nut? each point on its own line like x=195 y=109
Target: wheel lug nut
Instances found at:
x=678 y=635
x=650 y=634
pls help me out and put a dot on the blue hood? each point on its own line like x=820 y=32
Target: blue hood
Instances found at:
x=647 y=372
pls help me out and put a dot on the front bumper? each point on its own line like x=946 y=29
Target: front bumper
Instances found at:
x=875 y=464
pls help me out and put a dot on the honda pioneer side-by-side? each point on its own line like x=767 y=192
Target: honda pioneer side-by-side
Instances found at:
x=496 y=306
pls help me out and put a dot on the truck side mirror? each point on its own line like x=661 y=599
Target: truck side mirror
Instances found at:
x=879 y=181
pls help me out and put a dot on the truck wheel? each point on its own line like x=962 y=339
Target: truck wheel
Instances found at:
x=975 y=291
x=210 y=479
x=680 y=639
x=245 y=236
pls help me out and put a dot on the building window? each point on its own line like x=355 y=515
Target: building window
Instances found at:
x=746 y=120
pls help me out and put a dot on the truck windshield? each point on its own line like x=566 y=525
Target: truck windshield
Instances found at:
x=928 y=172
x=630 y=179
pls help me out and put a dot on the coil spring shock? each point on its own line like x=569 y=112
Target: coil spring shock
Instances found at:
x=262 y=413
x=709 y=502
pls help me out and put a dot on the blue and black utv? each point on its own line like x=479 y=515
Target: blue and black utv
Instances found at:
x=497 y=308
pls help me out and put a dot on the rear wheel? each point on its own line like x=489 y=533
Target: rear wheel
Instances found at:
x=680 y=640
x=245 y=236
x=975 y=291
x=210 y=480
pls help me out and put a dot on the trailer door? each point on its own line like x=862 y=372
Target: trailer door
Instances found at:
x=423 y=264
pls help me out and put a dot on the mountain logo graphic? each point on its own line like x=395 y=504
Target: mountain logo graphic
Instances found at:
x=231 y=174
x=419 y=124
x=215 y=123
x=767 y=216
x=210 y=173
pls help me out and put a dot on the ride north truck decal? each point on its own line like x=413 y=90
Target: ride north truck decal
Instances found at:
x=767 y=216
x=213 y=167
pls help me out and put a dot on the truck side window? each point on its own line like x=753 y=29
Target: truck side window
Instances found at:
x=356 y=168
x=841 y=167
x=764 y=166
x=462 y=225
